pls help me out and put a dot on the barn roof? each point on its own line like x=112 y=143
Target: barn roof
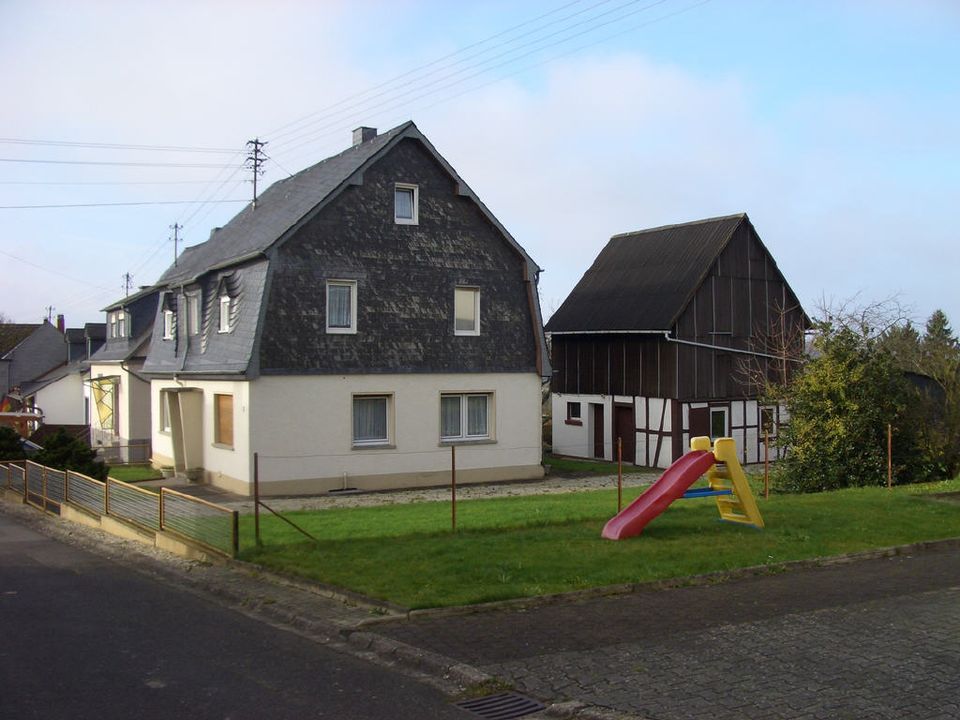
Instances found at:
x=643 y=280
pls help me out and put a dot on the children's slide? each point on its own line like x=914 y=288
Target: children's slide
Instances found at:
x=671 y=486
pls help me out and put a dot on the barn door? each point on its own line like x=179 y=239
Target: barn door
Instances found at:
x=597 y=430
x=699 y=422
x=625 y=428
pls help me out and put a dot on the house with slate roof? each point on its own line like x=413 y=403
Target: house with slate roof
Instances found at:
x=28 y=350
x=662 y=338
x=117 y=393
x=58 y=395
x=358 y=320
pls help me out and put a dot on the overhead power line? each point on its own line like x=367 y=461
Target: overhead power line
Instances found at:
x=391 y=99
x=103 y=182
x=124 y=164
x=116 y=146
x=115 y=204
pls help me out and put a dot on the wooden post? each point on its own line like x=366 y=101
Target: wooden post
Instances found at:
x=766 y=464
x=256 y=498
x=453 y=488
x=43 y=485
x=619 y=473
x=889 y=456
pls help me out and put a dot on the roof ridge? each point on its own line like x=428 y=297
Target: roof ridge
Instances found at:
x=643 y=231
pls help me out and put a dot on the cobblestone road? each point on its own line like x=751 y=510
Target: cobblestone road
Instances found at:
x=871 y=639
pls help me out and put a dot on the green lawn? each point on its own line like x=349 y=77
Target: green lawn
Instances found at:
x=134 y=473
x=534 y=545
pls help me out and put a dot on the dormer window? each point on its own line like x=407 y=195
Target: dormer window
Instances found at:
x=224 y=314
x=193 y=314
x=118 y=324
x=168 y=325
x=405 y=202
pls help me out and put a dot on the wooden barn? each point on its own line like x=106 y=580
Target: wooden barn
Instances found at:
x=668 y=336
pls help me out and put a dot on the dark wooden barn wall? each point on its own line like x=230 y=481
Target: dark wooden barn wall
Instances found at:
x=743 y=303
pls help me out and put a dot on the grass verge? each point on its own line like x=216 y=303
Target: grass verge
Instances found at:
x=134 y=473
x=535 y=545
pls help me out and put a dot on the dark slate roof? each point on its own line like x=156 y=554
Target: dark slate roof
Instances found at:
x=12 y=334
x=135 y=347
x=95 y=331
x=75 y=335
x=278 y=209
x=48 y=378
x=643 y=280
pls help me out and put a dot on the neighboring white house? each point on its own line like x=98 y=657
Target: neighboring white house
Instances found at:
x=116 y=393
x=363 y=317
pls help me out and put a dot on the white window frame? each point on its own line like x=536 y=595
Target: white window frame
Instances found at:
x=226 y=303
x=113 y=325
x=168 y=325
x=352 y=329
x=465 y=434
x=193 y=313
x=165 y=424
x=122 y=320
x=415 y=190
x=726 y=421
x=385 y=442
x=476 y=310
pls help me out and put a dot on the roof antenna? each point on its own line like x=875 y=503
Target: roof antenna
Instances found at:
x=254 y=161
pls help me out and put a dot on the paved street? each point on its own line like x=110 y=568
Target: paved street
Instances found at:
x=872 y=639
x=83 y=637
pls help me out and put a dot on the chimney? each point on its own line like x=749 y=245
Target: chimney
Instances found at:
x=61 y=325
x=362 y=134
x=213 y=231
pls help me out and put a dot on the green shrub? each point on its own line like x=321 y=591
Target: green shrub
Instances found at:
x=66 y=453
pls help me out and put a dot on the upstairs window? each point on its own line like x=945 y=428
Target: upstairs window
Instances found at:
x=405 y=202
x=121 y=324
x=341 y=306
x=466 y=307
x=113 y=325
x=224 y=314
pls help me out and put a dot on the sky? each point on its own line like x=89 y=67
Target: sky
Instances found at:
x=833 y=125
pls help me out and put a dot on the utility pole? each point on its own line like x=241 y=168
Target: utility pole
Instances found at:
x=254 y=161
x=176 y=227
x=127 y=283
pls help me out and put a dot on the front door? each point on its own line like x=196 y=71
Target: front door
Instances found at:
x=625 y=428
x=597 y=430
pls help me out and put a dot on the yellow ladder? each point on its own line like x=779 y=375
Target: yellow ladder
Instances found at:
x=739 y=505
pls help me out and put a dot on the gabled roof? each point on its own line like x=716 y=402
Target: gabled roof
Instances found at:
x=128 y=300
x=12 y=334
x=287 y=203
x=643 y=280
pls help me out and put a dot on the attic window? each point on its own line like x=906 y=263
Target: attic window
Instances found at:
x=342 y=306
x=405 y=202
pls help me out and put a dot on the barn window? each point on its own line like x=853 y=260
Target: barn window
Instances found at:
x=573 y=414
x=718 y=423
x=767 y=420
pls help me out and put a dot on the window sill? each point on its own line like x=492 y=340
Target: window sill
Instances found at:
x=221 y=446
x=374 y=446
x=573 y=422
x=401 y=221
x=467 y=441
x=341 y=331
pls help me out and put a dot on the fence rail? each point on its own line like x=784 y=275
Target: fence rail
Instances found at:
x=196 y=520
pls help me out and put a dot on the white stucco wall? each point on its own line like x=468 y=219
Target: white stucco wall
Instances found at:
x=132 y=421
x=577 y=440
x=302 y=428
x=62 y=401
x=221 y=465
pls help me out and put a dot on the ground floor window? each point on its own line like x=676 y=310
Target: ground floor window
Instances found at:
x=573 y=413
x=223 y=420
x=464 y=416
x=718 y=423
x=371 y=417
x=164 y=411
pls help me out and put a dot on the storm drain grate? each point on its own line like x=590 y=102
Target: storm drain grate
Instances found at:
x=503 y=706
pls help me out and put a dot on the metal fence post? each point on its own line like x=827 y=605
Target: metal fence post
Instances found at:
x=160 y=497
x=43 y=485
x=235 y=525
